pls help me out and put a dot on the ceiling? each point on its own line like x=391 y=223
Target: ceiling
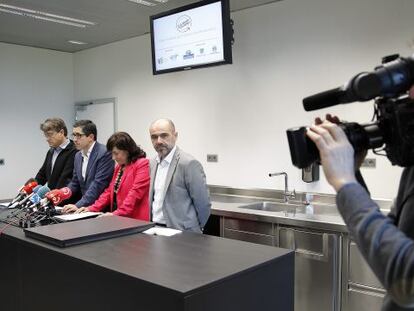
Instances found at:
x=114 y=20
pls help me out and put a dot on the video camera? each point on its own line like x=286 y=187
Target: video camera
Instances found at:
x=393 y=128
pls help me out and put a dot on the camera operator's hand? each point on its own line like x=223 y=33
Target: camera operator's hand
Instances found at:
x=329 y=117
x=360 y=156
x=336 y=153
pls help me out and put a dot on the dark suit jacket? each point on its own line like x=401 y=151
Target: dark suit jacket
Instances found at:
x=98 y=175
x=63 y=169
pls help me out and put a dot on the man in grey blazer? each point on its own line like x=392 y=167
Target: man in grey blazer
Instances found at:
x=179 y=195
x=93 y=166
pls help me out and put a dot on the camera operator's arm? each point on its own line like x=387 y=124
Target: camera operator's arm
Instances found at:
x=387 y=250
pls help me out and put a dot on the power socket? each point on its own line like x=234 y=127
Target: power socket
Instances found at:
x=369 y=163
x=212 y=158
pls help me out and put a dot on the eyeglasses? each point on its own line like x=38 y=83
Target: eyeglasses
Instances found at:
x=77 y=135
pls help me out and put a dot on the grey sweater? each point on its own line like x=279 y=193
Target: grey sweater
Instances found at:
x=388 y=251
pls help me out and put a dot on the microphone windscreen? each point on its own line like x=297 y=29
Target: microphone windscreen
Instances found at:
x=36 y=189
x=57 y=200
x=54 y=196
x=28 y=189
x=29 y=181
x=323 y=100
x=65 y=193
x=35 y=198
x=42 y=191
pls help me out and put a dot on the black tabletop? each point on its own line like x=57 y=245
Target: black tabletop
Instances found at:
x=184 y=263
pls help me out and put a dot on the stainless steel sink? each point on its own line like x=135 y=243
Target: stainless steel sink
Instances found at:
x=292 y=208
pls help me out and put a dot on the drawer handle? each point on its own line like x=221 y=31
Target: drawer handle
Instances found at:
x=324 y=256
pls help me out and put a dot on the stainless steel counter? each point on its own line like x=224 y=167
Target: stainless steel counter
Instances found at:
x=323 y=214
x=330 y=273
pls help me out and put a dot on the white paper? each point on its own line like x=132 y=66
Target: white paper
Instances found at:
x=162 y=231
x=70 y=217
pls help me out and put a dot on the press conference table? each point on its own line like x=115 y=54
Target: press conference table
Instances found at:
x=187 y=271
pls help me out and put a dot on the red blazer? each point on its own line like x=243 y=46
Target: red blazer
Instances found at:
x=133 y=192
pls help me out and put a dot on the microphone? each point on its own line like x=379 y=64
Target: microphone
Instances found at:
x=393 y=78
x=324 y=99
x=55 y=197
x=36 y=199
x=23 y=201
x=25 y=191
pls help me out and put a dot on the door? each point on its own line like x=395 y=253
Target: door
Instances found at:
x=317 y=269
x=102 y=112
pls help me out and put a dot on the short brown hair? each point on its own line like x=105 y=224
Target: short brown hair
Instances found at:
x=54 y=124
x=123 y=141
x=88 y=127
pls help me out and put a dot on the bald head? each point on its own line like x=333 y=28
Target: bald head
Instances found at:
x=163 y=136
x=165 y=123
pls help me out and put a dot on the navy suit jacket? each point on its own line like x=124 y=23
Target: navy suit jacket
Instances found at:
x=98 y=175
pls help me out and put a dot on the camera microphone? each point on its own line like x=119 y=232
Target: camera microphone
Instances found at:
x=325 y=99
x=391 y=79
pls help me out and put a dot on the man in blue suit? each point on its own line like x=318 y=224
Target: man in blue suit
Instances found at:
x=93 y=166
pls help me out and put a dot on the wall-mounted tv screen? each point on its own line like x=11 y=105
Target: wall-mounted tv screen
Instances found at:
x=192 y=36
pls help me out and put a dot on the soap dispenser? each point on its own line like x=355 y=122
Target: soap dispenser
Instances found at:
x=310 y=173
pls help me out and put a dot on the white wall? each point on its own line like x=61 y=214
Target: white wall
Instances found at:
x=283 y=52
x=34 y=84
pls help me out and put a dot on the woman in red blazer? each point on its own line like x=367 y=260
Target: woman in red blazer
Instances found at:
x=127 y=194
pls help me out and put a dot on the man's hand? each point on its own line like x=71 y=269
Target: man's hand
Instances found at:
x=69 y=209
x=336 y=153
x=82 y=210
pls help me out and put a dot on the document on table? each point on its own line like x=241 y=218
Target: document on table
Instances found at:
x=71 y=217
x=162 y=231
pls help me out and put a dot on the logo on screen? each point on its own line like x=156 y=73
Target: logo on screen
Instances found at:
x=184 y=23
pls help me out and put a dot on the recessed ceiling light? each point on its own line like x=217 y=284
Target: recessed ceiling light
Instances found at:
x=76 y=42
x=45 y=16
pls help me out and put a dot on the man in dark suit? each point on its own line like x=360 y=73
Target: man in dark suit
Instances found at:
x=57 y=169
x=93 y=167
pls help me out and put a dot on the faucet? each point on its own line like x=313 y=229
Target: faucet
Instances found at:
x=286 y=194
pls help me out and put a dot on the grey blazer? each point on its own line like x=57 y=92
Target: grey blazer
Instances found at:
x=186 y=204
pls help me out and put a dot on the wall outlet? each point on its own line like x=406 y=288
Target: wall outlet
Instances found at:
x=369 y=163
x=212 y=158
x=2 y=162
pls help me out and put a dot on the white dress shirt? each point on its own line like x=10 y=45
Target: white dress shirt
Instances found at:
x=85 y=157
x=159 y=186
x=57 y=151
